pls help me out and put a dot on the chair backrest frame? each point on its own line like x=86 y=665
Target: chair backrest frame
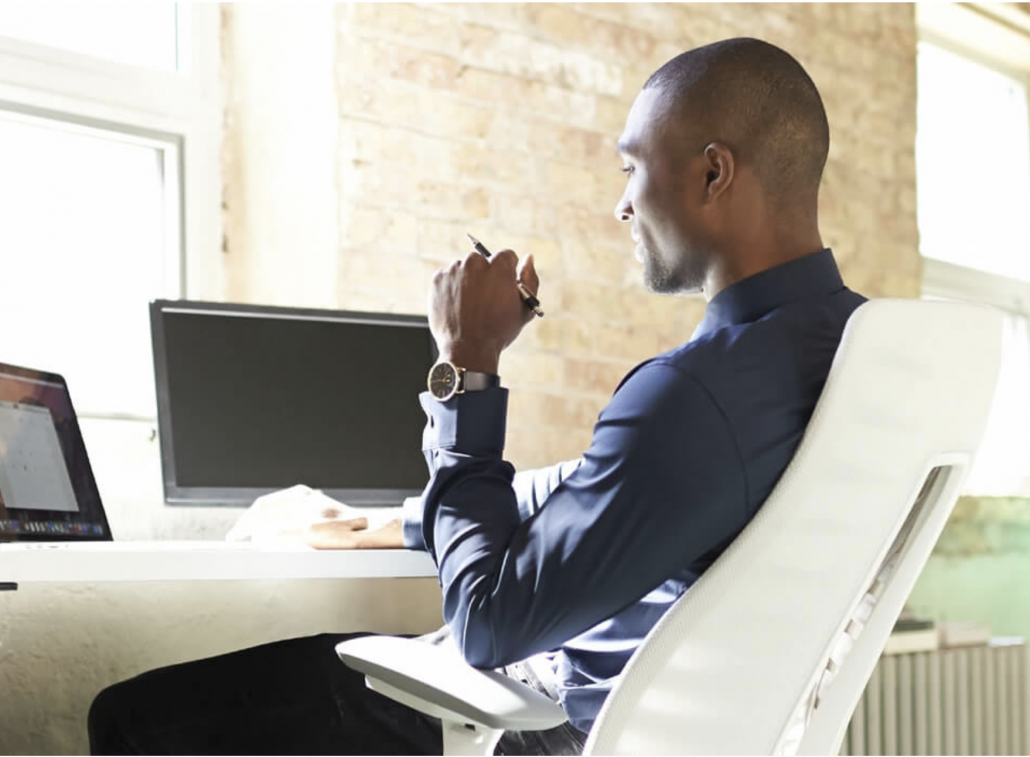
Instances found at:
x=742 y=663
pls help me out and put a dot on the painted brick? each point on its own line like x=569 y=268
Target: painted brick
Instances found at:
x=579 y=337
x=402 y=62
x=534 y=447
x=560 y=23
x=547 y=334
x=596 y=302
x=609 y=263
x=594 y=376
x=570 y=183
x=532 y=370
x=394 y=229
x=543 y=409
x=510 y=212
x=500 y=119
x=632 y=343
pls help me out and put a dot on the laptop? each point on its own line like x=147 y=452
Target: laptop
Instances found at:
x=48 y=495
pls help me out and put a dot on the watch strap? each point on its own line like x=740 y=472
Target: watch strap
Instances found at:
x=474 y=381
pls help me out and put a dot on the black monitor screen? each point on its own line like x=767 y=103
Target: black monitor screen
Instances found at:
x=254 y=399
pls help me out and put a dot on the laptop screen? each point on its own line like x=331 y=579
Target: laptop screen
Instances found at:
x=252 y=399
x=47 y=489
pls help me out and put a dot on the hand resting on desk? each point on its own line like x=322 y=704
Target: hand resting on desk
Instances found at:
x=301 y=515
x=354 y=534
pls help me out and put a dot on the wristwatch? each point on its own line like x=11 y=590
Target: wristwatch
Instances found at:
x=446 y=380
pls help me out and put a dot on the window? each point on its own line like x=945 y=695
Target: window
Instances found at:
x=973 y=164
x=90 y=234
x=109 y=193
x=139 y=34
x=973 y=182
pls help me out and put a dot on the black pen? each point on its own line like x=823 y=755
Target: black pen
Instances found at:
x=527 y=297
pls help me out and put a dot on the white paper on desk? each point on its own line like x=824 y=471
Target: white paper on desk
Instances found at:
x=283 y=516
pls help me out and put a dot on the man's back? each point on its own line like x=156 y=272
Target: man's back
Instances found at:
x=761 y=356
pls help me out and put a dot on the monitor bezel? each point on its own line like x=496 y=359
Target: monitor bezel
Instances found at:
x=176 y=495
x=34 y=374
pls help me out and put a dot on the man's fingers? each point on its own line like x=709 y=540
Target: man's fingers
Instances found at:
x=505 y=259
x=336 y=535
x=475 y=260
x=328 y=535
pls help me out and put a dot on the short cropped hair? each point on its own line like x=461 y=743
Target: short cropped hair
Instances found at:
x=757 y=99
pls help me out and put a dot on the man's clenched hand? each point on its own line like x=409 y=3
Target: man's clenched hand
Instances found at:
x=475 y=310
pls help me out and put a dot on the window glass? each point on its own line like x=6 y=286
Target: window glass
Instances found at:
x=972 y=164
x=1002 y=467
x=139 y=34
x=85 y=230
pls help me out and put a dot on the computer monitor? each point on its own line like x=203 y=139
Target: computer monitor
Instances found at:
x=253 y=399
x=47 y=489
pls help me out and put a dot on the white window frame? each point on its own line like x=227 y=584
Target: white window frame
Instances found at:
x=998 y=37
x=154 y=107
x=988 y=34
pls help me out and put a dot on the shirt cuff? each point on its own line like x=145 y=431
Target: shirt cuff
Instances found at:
x=411 y=524
x=472 y=423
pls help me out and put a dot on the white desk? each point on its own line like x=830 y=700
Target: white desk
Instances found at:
x=87 y=563
x=83 y=620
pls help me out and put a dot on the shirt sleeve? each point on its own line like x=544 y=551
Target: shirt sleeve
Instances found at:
x=532 y=488
x=661 y=484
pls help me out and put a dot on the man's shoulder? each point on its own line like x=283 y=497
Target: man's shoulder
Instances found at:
x=758 y=345
x=655 y=383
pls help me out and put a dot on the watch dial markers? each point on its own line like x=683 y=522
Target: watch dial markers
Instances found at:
x=442 y=380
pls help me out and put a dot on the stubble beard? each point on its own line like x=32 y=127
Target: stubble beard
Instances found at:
x=687 y=276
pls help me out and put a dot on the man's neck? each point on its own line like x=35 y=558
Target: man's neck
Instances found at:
x=757 y=256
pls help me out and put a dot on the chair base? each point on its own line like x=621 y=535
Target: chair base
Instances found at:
x=468 y=739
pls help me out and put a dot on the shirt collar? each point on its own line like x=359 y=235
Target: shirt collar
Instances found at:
x=748 y=300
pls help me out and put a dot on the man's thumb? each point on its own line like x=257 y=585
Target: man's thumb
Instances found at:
x=527 y=273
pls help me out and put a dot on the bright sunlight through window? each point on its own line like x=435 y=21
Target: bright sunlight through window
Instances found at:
x=972 y=165
x=973 y=178
x=84 y=245
x=139 y=34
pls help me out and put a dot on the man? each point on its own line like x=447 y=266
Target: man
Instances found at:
x=572 y=566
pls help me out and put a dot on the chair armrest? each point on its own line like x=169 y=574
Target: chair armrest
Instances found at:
x=434 y=679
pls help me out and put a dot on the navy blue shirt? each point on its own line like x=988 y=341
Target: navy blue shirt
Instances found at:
x=585 y=557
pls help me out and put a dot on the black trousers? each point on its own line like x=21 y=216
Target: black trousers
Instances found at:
x=288 y=697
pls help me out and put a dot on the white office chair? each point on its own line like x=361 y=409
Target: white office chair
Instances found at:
x=768 y=653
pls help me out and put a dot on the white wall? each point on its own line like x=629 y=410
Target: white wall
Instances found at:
x=279 y=153
x=61 y=643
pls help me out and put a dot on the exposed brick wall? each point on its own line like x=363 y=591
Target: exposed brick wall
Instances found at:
x=501 y=120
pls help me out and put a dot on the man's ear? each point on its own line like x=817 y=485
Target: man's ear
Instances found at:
x=719 y=167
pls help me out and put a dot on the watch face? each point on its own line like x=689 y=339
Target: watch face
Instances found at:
x=443 y=381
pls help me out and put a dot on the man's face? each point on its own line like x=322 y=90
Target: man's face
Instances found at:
x=662 y=199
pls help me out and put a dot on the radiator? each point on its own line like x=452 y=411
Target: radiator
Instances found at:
x=966 y=700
